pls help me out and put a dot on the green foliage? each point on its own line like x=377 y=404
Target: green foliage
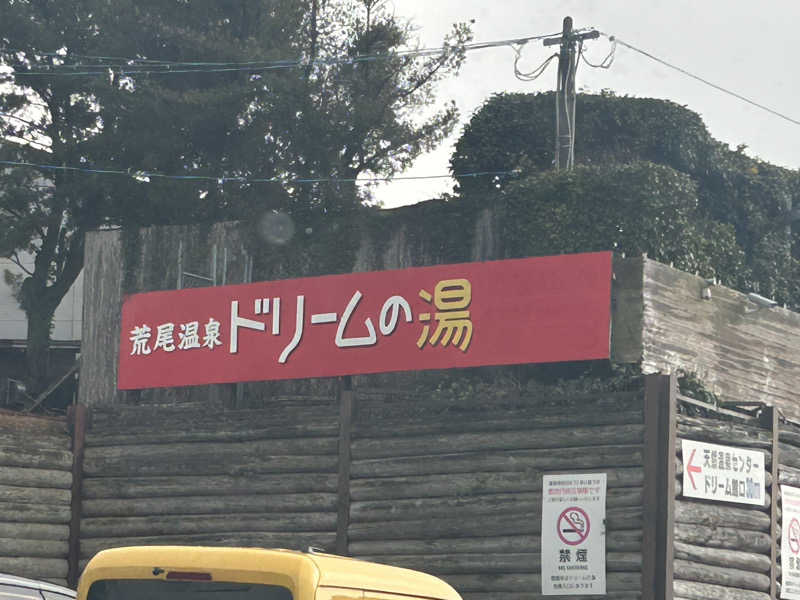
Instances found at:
x=546 y=383
x=649 y=178
x=633 y=209
x=690 y=385
x=326 y=119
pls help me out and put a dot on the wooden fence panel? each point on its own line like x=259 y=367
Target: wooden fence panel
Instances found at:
x=721 y=549
x=454 y=487
x=35 y=482
x=186 y=475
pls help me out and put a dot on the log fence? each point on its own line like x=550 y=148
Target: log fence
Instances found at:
x=722 y=550
x=452 y=486
x=36 y=478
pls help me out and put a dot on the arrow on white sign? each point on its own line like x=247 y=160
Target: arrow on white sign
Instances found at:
x=690 y=468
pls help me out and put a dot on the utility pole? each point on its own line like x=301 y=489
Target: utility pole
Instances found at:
x=565 y=91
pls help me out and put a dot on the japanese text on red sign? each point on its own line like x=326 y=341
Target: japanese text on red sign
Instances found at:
x=449 y=325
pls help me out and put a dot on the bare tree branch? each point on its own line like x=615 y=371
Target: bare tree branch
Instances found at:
x=21 y=120
x=16 y=260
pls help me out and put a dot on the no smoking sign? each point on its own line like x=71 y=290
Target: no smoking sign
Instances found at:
x=573 y=526
x=573 y=535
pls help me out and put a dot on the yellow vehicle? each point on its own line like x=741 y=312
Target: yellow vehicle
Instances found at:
x=201 y=573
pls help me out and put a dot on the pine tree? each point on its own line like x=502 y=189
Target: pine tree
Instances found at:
x=192 y=89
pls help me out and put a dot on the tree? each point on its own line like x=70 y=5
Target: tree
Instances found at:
x=151 y=87
x=735 y=215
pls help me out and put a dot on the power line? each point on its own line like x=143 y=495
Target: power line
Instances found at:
x=606 y=62
x=145 y=176
x=133 y=66
x=701 y=80
x=534 y=73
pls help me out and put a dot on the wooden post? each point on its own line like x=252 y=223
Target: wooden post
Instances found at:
x=77 y=417
x=659 y=487
x=774 y=418
x=565 y=91
x=345 y=432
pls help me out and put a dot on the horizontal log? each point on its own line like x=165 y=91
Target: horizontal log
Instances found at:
x=34 y=568
x=372 y=426
x=16 y=547
x=214 y=485
x=510 y=582
x=35 y=458
x=372 y=394
x=747 y=561
x=731 y=538
x=456 y=484
x=561 y=437
x=258 y=539
x=169 y=419
x=113 y=458
x=692 y=590
x=790 y=434
x=444 y=564
x=616 y=541
x=15 y=512
x=516 y=460
x=242 y=432
x=430 y=508
x=42 y=478
x=106 y=527
x=211 y=505
x=227 y=462
x=34 y=531
x=788 y=475
x=730 y=577
x=33 y=425
x=721 y=515
x=470 y=506
x=16 y=439
x=627 y=518
x=531 y=582
x=789 y=455
x=393 y=407
x=32 y=495
x=450 y=564
x=489 y=525
x=723 y=432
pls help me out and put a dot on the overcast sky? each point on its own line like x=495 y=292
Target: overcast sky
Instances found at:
x=748 y=47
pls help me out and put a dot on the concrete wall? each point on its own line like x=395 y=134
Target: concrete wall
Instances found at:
x=13 y=324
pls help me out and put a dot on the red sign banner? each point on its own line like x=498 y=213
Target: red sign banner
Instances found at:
x=529 y=310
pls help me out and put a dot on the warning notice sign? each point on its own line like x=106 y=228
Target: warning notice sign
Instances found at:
x=790 y=542
x=573 y=534
x=723 y=473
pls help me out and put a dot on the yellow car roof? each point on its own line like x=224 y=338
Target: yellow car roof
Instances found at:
x=300 y=570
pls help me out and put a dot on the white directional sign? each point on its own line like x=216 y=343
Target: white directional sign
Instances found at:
x=723 y=473
x=790 y=542
x=574 y=534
